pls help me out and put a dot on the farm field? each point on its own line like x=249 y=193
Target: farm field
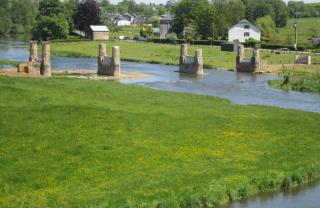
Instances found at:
x=82 y=143
x=307 y=27
x=161 y=53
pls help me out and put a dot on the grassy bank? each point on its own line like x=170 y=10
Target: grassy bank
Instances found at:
x=8 y=63
x=298 y=81
x=81 y=143
x=306 y=30
x=160 y=53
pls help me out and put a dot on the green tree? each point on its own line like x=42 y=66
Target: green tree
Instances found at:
x=266 y=25
x=55 y=27
x=88 y=13
x=52 y=21
x=70 y=7
x=50 y=8
x=196 y=13
x=5 y=21
x=22 y=16
x=227 y=13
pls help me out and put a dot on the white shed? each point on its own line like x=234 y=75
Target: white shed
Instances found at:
x=242 y=31
x=99 y=32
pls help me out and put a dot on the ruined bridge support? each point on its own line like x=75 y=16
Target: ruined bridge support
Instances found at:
x=109 y=66
x=33 y=51
x=34 y=66
x=190 y=64
x=45 y=68
x=248 y=65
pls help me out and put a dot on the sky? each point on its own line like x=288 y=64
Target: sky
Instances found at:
x=164 y=1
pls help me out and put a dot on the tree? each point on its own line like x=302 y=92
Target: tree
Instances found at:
x=274 y=8
x=266 y=25
x=5 y=21
x=22 y=16
x=52 y=22
x=227 y=13
x=195 y=13
x=50 y=8
x=88 y=13
x=55 y=27
x=70 y=7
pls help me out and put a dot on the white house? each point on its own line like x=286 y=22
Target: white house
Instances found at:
x=122 y=21
x=242 y=31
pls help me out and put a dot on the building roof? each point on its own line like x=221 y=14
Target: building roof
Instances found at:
x=166 y=18
x=99 y=28
x=244 y=21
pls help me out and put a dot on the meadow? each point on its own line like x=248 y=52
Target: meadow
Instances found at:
x=307 y=28
x=161 y=53
x=81 y=143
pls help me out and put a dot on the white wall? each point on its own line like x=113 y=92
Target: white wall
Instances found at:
x=123 y=23
x=237 y=33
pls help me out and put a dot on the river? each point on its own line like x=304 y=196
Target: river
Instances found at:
x=239 y=88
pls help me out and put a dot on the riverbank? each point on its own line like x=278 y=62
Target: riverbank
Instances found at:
x=133 y=146
x=214 y=58
x=295 y=78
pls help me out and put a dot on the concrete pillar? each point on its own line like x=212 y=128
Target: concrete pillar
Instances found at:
x=101 y=58
x=256 y=59
x=240 y=52
x=33 y=51
x=183 y=56
x=240 y=56
x=102 y=52
x=116 y=60
x=198 y=61
x=45 y=68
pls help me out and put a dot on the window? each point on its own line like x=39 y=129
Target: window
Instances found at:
x=247 y=27
x=246 y=34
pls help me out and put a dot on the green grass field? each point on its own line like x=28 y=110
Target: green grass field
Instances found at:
x=128 y=31
x=82 y=143
x=307 y=27
x=160 y=53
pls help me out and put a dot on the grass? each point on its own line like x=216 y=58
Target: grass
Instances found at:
x=127 y=31
x=306 y=29
x=160 y=53
x=8 y=62
x=298 y=80
x=82 y=143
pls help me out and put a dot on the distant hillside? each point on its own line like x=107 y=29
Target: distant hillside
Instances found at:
x=307 y=27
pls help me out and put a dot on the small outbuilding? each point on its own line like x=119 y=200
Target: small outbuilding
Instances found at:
x=165 y=25
x=99 y=32
x=243 y=31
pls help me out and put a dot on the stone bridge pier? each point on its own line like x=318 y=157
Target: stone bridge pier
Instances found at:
x=248 y=65
x=190 y=64
x=109 y=66
x=45 y=67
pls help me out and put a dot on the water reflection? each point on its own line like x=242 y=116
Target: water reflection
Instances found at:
x=307 y=196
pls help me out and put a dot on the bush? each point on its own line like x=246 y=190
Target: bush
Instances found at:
x=55 y=27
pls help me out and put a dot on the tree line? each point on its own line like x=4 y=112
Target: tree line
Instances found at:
x=48 y=19
x=213 y=18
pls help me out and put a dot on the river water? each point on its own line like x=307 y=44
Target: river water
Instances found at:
x=239 y=88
